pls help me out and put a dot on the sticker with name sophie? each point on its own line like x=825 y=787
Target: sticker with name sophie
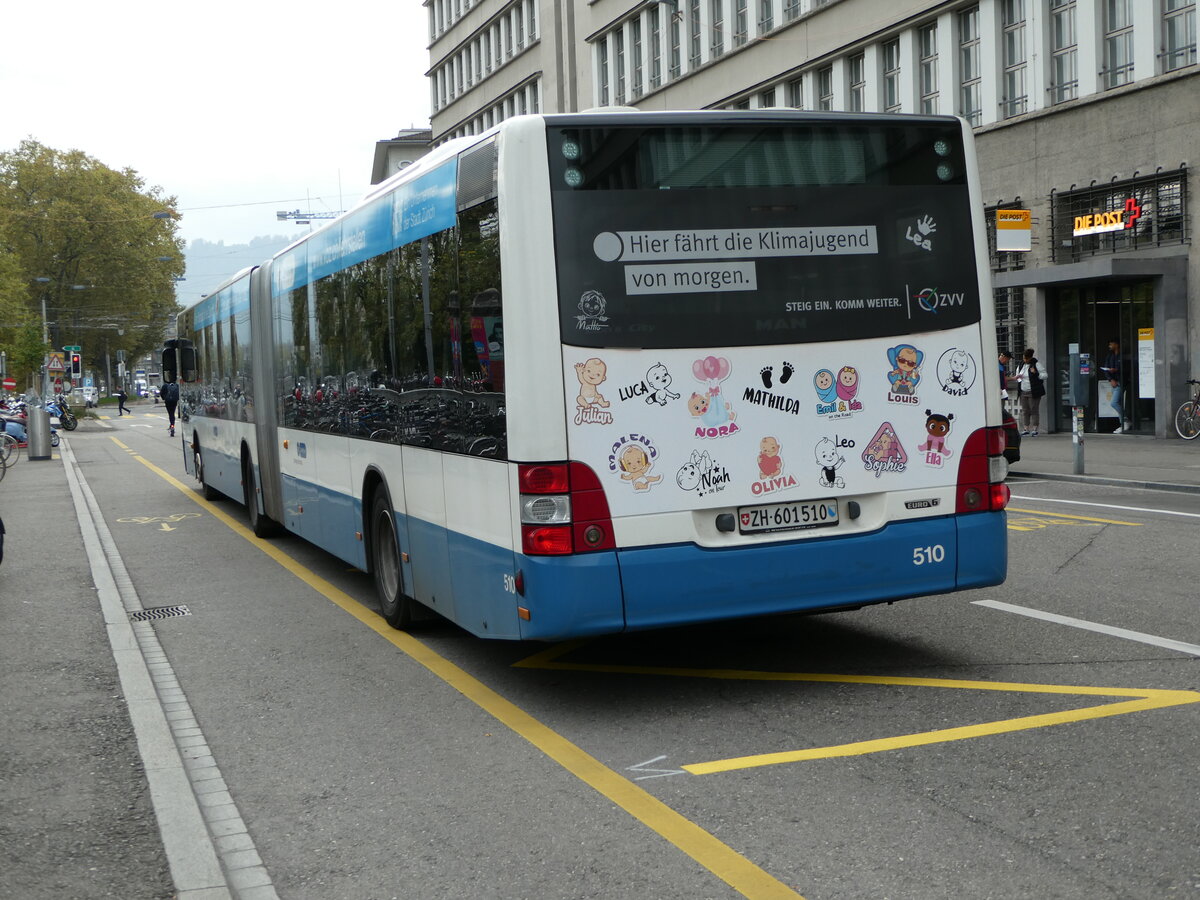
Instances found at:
x=884 y=452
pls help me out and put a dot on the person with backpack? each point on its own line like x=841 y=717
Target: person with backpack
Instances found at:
x=170 y=398
x=1032 y=389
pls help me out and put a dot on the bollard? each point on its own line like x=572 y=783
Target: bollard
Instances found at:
x=37 y=428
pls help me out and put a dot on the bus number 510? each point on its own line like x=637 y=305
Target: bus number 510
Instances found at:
x=923 y=555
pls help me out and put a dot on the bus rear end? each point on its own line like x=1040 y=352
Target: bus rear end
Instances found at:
x=777 y=371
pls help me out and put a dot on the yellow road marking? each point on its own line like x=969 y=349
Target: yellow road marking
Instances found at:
x=1050 y=515
x=1144 y=699
x=723 y=861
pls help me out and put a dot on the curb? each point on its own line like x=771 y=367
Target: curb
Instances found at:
x=1109 y=482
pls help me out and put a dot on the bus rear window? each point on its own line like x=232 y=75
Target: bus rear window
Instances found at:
x=777 y=231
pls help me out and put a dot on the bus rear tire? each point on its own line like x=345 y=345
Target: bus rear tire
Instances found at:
x=395 y=606
x=206 y=492
x=261 y=525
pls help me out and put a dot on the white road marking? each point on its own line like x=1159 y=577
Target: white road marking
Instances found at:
x=1163 y=512
x=1123 y=633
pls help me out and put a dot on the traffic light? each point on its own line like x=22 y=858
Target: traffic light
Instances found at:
x=76 y=367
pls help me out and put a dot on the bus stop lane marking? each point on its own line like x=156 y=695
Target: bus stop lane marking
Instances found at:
x=1144 y=699
x=1035 y=519
x=718 y=858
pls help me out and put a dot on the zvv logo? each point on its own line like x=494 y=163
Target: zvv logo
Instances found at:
x=931 y=299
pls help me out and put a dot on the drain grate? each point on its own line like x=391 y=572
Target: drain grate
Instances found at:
x=159 y=612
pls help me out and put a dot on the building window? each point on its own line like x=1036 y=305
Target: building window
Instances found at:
x=695 y=43
x=675 y=61
x=927 y=38
x=635 y=49
x=741 y=22
x=1013 y=23
x=716 y=9
x=825 y=88
x=1064 y=75
x=857 y=66
x=602 y=64
x=652 y=17
x=968 y=64
x=519 y=25
x=791 y=10
x=795 y=93
x=1118 y=42
x=766 y=99
x=531 y=18
x=619 y=66
x=891 y=76
x=1179 y=34
x=766 y=15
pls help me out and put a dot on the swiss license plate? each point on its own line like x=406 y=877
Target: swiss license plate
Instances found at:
x=787 y=516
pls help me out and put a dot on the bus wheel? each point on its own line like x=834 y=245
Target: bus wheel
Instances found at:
x=198 y=463
x=394 y=605
x=261 y=525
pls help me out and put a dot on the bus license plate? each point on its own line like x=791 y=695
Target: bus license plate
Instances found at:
x=787 y=516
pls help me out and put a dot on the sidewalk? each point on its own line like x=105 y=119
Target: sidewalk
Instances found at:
x=1123 y=460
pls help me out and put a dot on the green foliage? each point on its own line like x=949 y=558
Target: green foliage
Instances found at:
x=92 y=233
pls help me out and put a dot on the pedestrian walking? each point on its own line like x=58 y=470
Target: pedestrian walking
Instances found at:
x=121 y=398
x=1031 y=389
x=170 y=398
x=1114 y=371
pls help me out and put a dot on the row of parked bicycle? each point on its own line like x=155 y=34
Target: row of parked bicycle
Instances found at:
x=14 y=420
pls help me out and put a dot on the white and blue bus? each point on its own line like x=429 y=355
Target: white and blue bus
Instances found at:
x=597 y=372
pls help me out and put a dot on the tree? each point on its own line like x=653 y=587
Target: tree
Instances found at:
x=94 y=243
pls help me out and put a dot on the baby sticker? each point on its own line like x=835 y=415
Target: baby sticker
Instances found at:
x=837 y=395
x=632 y=457
x=590 y=404
x=655 y=387
x=937 y=426
x=830 y=459
x=956 y=372
x=702 y=475
x=711 y=408
x=770 y=469
x=884 y=452
x=905 y=374
x=591 y=312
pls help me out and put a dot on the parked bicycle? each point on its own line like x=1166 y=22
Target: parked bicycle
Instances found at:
x=1187 y=417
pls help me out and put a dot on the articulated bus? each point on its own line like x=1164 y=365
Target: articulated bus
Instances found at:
x=597 y=372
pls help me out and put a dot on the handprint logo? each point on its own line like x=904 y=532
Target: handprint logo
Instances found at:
x=925 y=227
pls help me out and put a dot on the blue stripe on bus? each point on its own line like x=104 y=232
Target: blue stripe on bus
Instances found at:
x=684 y=584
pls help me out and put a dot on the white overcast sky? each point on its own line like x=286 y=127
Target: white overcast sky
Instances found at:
x=235 y=107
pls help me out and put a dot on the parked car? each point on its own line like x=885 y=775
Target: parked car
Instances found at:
x=1012 y=442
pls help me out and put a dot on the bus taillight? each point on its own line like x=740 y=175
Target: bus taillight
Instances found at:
x=563 y=510
x=982 y=469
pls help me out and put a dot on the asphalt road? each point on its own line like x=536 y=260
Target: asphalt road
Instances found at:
x=1034 y=740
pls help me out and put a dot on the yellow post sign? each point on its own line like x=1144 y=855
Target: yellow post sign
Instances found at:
x=1014 y=230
